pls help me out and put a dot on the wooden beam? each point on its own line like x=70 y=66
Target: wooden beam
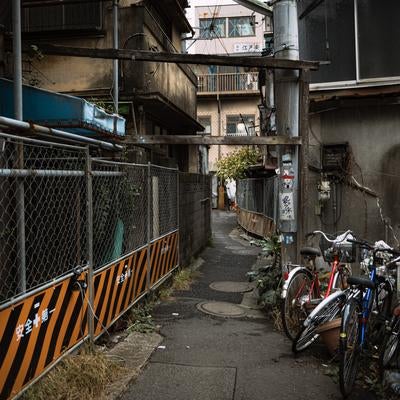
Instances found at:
x=213 y=140
x=179 y=58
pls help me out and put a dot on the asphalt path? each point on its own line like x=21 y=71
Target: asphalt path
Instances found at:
x=205 y=357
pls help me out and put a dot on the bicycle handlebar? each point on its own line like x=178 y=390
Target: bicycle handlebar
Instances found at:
x=393 y=264
x=369 y=246
x=345 y=235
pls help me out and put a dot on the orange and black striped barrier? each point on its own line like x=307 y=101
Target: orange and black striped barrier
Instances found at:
x=117 y=287
x=163 y=256
x=42 y=327
x=36 y=331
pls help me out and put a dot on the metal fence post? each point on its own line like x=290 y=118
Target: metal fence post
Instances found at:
x=149 y=202
x=89 y=199
x=21 y=221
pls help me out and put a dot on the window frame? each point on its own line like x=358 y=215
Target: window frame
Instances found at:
x=250 y=130
x=250 y=17
x=203 y=117
x=211 y=35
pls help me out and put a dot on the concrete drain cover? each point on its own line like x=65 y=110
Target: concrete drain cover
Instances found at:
x=231 y=287
x=221 y=309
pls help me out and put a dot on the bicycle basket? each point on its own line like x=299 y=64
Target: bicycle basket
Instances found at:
x=347 y=251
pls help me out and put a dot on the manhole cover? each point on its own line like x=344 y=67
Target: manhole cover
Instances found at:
x=231 y=287
x=221 y=309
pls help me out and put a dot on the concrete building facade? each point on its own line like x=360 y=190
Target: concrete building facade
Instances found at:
x=227 y=97
x=354 y=135
x=155 y=98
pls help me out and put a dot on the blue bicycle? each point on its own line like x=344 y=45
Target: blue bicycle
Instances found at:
x=372 y=295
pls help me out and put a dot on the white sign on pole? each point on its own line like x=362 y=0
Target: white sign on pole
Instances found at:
x=286 y=207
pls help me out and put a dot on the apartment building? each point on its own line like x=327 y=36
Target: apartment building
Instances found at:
x=155 y=98
x=227 y=97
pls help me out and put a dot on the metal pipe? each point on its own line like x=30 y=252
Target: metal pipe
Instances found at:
x=17 y=54
x=7 y=137
x=356 y=41
x=111 y=162
x=18 y=114
x=90 y=283
x=163 y=236
x=12 y=123
x=38 y=289
x=149 y=188
x=45 y=173
x=115 y=62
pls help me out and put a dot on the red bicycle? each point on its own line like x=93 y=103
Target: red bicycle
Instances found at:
x=302 y=287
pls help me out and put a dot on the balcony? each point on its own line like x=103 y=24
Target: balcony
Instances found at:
x=228 y=83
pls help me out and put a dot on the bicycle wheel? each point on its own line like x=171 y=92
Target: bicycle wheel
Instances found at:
x=391 y=345
x=326 y=311
x=380 y=314
x=349 y=346
x=293 y=312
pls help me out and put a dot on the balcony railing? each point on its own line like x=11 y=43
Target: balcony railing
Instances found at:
x=228 y=83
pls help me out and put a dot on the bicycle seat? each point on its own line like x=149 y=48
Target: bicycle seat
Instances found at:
x=310 y=251
x=358 y=281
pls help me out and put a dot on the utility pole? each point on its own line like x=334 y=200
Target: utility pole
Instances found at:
x=286 y=46
x=115 y=62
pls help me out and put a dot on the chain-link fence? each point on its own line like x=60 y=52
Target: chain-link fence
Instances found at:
x=258 y=195
x=163 y=201
x=47 y=191
x=120 y=200
x=82 y=239
x=42 y=212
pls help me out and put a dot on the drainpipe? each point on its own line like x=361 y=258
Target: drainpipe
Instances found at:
x=286 y=45
x=115 y=45
x=16 y=13
x=18 y=114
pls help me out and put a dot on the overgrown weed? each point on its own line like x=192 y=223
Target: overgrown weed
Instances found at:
x=81 y=376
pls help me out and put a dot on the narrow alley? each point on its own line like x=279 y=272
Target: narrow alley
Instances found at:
x=214 y=358
x=199 y=200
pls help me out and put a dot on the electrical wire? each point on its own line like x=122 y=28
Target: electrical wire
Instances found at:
x=83 y=296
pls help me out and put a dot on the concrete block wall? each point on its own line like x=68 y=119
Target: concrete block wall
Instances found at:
x=372 y=133
x=194 y=214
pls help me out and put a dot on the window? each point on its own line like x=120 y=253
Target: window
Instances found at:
x=241 y=26
x=212 y=28
x=379 y=54
x=240 y=125
x=66 y=17
x=206 y=122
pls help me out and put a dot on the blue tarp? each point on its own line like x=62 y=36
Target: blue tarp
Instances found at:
x=62 y=111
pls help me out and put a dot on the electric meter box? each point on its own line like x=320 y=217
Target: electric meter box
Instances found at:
x=335 y=158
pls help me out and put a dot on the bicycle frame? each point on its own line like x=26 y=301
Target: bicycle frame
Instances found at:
x=366 y=308
x=315 y=285
x=335 y=266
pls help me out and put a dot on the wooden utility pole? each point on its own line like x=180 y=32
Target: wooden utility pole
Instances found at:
x=200 y=59
x=214 y=140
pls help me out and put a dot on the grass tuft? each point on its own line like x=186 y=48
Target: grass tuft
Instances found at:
x=141 y=320
x=184 y=278
x=81 y=376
